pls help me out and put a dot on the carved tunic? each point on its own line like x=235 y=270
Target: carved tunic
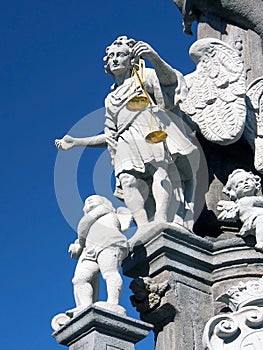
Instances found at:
x=126 y=130
x=104 y=233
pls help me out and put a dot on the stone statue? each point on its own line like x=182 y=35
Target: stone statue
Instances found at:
x=136 y=161
x=245 y=204
x=100 y=247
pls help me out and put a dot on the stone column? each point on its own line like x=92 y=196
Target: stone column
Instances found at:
x=97 y=328
x=196 y=271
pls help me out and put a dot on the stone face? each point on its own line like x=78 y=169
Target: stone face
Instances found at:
x=96 y=328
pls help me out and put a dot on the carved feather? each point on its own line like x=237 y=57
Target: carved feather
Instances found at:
x=216 y=96
x=228 y=211
x=254 y=122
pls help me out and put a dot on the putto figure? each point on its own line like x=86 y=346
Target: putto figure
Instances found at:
x=245 y=204
x=100 y=247
x=164 y=171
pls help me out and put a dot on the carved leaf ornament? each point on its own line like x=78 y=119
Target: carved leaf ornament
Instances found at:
x=243 y=328
x=216 y=98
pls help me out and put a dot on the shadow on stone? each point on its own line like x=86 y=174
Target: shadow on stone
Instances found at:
x=160 y=317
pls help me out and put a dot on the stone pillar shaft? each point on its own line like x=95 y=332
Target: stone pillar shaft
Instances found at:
x=198 y=270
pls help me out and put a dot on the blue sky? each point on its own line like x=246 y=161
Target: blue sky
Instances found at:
x=52 y=76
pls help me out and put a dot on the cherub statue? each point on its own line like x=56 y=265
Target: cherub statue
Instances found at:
x=135 y=160
x=100 y=247
x=245 y=204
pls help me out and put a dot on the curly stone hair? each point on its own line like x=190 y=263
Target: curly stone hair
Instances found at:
x=120 y=41
x=229 y=188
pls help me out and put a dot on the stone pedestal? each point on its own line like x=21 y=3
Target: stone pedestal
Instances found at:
x=197 y=270
x=96 y=328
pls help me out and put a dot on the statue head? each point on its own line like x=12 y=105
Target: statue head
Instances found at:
x=119 y=55
x=242 y=183
x=95 y=200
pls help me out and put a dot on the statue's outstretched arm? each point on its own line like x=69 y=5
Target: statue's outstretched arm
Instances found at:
x=165 y=73
x=68 y=142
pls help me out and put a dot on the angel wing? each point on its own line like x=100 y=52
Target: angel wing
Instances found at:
x=254 y=123
x=216 y=98
x=229 y=211
x=125 y=218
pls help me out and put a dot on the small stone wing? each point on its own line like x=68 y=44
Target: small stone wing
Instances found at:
x=228 y=211
x=216 y=98
x=254 y=123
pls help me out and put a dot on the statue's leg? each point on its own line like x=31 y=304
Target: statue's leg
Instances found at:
x=187 y=167
x=85 y=273
x=109 y=261
x=189 y=195
x=161 y=189
x=133 y=198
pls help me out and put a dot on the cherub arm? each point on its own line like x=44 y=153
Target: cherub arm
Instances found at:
x=68 y=142
x=75 y=249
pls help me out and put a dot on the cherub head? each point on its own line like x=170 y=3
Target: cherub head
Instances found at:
x=122 y=214
x=119 y=56
x=242 y=183
x=95 y=200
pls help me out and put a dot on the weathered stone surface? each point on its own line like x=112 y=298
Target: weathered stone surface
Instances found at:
x=96 y=328
x=198 y=270
x=247 y=14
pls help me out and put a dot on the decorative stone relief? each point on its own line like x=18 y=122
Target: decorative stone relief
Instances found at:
x=243 y=328
x=216 y=96
x=147 y=293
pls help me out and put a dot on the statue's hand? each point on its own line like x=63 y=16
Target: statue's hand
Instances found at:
x=75 y=249
x=145 y=50
x=66 y=143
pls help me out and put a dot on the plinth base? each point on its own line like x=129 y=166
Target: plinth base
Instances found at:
x=96 y=328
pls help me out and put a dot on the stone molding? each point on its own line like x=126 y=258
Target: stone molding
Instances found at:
x=96 y=324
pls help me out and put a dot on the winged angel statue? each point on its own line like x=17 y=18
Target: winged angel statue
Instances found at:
x=218 y=104
x=213 y=99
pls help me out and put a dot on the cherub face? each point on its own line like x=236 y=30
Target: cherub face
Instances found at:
x=118 y=59
x=244 y=186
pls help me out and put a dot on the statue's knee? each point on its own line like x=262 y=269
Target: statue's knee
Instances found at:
x=81 y=279
x=111 y=275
